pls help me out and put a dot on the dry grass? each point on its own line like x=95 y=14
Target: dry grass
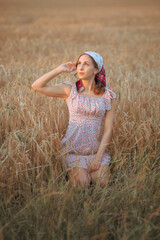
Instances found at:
x=36 y=200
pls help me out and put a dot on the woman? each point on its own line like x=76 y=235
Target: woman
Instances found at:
x=89 y=101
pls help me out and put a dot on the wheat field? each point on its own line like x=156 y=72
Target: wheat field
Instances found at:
x=37 y=200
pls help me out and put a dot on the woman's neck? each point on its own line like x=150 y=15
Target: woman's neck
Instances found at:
x=88 y=85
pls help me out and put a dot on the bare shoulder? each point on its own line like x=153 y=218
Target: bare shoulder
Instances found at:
x=67 y=86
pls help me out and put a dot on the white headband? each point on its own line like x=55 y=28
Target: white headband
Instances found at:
x=97 y=57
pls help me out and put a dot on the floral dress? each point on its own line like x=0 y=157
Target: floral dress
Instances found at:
x=84 y=133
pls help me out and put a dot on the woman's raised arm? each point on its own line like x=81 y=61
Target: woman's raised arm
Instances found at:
x=60 y=90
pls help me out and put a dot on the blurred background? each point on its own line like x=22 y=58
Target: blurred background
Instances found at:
x=60 y=30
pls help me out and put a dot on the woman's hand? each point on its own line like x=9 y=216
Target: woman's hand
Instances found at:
x=95 y=164
x=68 y=67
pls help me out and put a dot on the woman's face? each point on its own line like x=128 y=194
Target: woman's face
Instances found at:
x=86 y=68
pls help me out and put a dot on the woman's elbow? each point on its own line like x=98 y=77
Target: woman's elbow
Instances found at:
x=34 y=87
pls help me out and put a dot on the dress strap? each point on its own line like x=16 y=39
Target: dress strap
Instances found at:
x=73 y=92
x=108 y=95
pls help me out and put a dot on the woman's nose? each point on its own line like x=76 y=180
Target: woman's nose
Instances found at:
x=81 y=67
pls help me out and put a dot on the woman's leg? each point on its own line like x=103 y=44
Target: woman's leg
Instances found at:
x=101 y=176
x=79 y=176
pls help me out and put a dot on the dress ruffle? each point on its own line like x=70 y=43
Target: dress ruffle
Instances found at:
x=74 y=92
x=109 y=94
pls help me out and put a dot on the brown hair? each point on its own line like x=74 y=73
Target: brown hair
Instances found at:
x=99 y=87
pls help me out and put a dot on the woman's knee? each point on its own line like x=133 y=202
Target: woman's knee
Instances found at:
x=79 y=177
x=103 y=181
x=101 y=176
x=83 y=181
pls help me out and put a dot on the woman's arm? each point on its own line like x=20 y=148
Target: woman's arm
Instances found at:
x=109 y=121
x=60 y=90
x=108 y=127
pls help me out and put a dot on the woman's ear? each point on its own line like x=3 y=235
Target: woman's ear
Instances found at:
x=97 y=71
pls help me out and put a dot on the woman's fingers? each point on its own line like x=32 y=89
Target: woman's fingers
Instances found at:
x=93 y=167
x=68 y=67
x=71 y=66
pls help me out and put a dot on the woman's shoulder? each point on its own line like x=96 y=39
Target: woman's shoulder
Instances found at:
x=67 y=83
x=70 y=88
x=110 y=98
x=109 y=94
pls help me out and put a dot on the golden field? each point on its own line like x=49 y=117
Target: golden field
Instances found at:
x=37 y=201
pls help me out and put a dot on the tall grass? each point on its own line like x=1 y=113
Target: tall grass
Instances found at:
x=37 y=201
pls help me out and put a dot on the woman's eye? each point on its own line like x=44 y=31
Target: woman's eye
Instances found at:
x=86 y=63
x=79 y=63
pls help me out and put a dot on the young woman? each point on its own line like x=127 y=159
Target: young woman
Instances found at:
x=89 y=101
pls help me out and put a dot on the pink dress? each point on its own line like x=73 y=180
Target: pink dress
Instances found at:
x=84 y=133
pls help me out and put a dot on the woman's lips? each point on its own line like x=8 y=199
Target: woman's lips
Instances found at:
x=81 y=73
